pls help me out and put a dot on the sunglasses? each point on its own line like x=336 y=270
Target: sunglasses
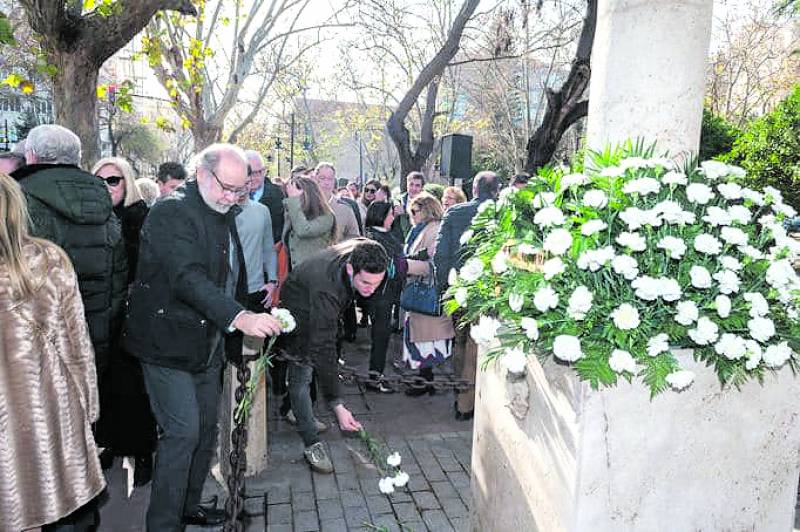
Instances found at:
x=113 y=180
x=238 y=191
x=370 y=190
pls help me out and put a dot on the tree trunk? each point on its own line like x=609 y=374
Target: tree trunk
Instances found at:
x=205 y=134
x=75 y=83
x=564 y=106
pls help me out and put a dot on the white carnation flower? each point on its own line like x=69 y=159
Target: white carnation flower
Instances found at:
x=612 y=171
x=527 y=249
x=460 y=296
x=571 y=180
x=594 y=259
x=752 y=252
x=548 y=217
x=393 y=460
x=634 y=162
x=594 y=198
x=674 y=178
x=772 y=195
x=700 y=277
x=686 y=312
x=500 y=262
x=553 y=267
x=485 y=331
x=730 y=191
x=658 y=344
x=730 y=263
x=514 y=360
x=751 y=195
x=699 y=193
x=705 y=333
x=707 y=244
x=558 y=241
x=466 y=236
x=400 y=479
x=452 y=277
x=515 y=301
x=386 y=485
x=591 y=227
x=761 y=329
x=786 y=210
x=753 y=352
x=632 y=241
x=545 y=299
x=669 y=289
x=723 y=305
x=758 y=304
x=567 y=348
x=733 y=236
x=728 y=281
x=680 y=379
x=674 y=246
x=739 y=214
x=633 y=217
x=776 y=356
x=472 y=270
x=626 y=266
x=543 y=199
x=780 y=273
x=642 y=186
x=646 y=288
x=284 y=316
x=714 y=170
x=531 y=328
x=716 y=216
x=731 y=346
x=625 y=317
x=580 y=302
x=621 y=361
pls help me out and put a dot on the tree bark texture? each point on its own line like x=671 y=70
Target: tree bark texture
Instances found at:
x=566 y=105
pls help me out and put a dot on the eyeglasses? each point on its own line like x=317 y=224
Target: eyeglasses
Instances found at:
x=370 y=190
x=113 y=180
x=414 y=212
x=259 y=171
x=237 y=191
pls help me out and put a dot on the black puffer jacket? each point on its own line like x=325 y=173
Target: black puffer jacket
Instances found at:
x=72 y=208
x=132 y=218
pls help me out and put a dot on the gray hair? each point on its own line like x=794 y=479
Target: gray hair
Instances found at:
x=325 y=164
x=210 y=157
x=54 y=144
x=252 y=154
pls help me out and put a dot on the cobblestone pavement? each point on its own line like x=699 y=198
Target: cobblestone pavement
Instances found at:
x=435 y=450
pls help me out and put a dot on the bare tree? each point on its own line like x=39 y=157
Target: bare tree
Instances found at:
x=77 y=43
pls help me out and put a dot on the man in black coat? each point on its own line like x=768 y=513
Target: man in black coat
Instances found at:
x=317 y=292
x=457 y=219
x=186 y=310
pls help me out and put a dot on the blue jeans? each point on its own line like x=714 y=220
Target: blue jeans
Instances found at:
x=300 y=393
x=185 y=407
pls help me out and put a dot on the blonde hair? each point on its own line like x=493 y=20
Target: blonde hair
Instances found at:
x=14 y=235
x=148 y=189
x=428 y=204
x=456 y=192
x=132 y=193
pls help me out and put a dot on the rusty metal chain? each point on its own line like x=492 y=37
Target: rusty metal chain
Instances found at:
x=234 y=505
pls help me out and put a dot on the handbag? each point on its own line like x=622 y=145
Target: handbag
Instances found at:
x=421 y=295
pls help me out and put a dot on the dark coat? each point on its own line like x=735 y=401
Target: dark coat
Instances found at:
x=316 y=292
x=178 y=305
x=273 y=198
x=132 y=218
x=457 y=219
x=72 y=208
x=398 y=265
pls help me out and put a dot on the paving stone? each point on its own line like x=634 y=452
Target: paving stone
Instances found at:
x=401 y=496
x=329 y=509
x=356 y=516
x=418 y=483
x=347 y=482
x=413 y=526
x=441 y=451
x=444 y=490
x=279 y=514
x=425 y=500
x=466 y=494
x=276 y=494
x=325 y=486
x=306 y=521
x=458 y=479
x=450 y=464
x=406 y=511
x=352 y=498
x=436 y=521
x=279 y=528
x=461 y=524
x=334 y=525
x=453 y=507
x=256 y=524
x=432 y=471
x=378 y=504
x=387 y=522
x=303 y=501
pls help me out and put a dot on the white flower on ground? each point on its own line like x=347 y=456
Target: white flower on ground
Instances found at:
x=728 y=281
x=567 y=348
x=621 y=361
x=485 y=331
x=753 y=352
x=646 y=288
x=733 y=236
x=594 y=259
x=549 y=216
x=707 y=244
x=752 y=252
x=730 y=263
x=723 y=306
x=674 y=246
x=716 y=216
x=466 y=236
x=515 y=301
x=553 y=267
x=669 y=289
x=658 y=344
x=705 y=333
x=780 y=273
x=776 y=356
x=751 y=195
x=386 y=485
x=393 y=459
x=558 y=241
x=731 y=346
x=472 y=270
x=500 y=262
x=452 y=277
x=461 y=295
x=674 y=178
x=571 y=180
x=514 y=360
x=714 y=170
x=543 y=199
x=761 y=329
x=285 y=318
x=545 y=299
x=400 y=479
x=700 y=277
x=591 y=227
x=739 y=214
x=632 y=241
x=699 y=193
x=580 y=302
x=758 y=304
x=626 y=266
x=531 y=328
x=527 y=249
x=594 y=198
x=642 y=186
x=686 y=312
x=625 y=317
x=730 y=191
x=680 y=379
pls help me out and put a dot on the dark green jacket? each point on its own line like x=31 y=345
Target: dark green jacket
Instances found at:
x=72 y=208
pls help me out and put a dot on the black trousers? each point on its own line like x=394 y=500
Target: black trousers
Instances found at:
x=380 y=312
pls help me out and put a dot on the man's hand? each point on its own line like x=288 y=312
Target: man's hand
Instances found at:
x=269 y=288
x=258 y=325
x=346 y=420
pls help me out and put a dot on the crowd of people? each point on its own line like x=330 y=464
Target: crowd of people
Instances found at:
x=121 y=299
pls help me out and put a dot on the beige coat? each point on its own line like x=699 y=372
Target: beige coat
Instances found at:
x=427 y=328
x=48 y=397
x=346 y=223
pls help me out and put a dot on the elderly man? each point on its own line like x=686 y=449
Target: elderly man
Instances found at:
x=485 y=186
x=186 y=311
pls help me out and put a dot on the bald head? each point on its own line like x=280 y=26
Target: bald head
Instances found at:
x=485 y=185
x=222 y=176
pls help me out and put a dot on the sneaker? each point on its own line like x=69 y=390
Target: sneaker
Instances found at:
x=317 y=457
x=292 y=420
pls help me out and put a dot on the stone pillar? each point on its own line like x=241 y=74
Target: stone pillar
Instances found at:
x=648 y=73
x=550 y=454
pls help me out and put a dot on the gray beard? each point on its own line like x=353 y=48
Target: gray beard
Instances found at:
x=214 y=206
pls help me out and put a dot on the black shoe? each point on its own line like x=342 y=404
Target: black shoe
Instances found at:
x=106 y=458
x=206 y=516
x=143 y=470
x=465 y=416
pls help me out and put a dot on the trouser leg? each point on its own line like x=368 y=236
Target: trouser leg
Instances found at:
x=299 y=390
x=466 y=360
x=381 y=313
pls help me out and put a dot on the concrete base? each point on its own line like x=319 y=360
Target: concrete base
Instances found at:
x=551 y=454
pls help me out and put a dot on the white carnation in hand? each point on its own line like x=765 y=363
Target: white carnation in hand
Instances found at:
x=531 y=328
x=731 y=346
x=621 y=361
x=739 y=214
x=686 y=312
x=626 y=266
x=553 y=267
x=625 y=317
x=549 y=216
x=761 y=329
x=728 y=281
x=699 y=193
x=393 y=459
x=680 y=379
x=776 y=356
x=642 y=186
x=733 y=236
x=658 y=344
x=707 y=244
x=674 y=246
x=485 y=331
x=591 y=227
x=580 y=302
x=558 y=241
x=596 y=199
x=472 y=270
x=758 y=304
x=705 y=333
x=700 y=277
x=632 y=241
x=723 y=306
x=545 y=299
x=567 y=348
x=285 y=318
